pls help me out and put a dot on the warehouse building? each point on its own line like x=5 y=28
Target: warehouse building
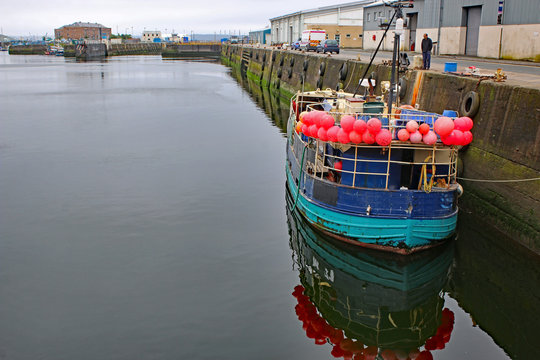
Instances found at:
x=260 y=36
x=82 y=30
x=342 y=22
x=499 y=29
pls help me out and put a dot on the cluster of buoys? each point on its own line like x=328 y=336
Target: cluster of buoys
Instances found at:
x=417 y=134
x=454 y=132
x=321 y=125
x=318 y=329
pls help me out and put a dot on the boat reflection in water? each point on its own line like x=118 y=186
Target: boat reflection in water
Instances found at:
x=368 y=304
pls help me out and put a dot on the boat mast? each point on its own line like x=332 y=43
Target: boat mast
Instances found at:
x=398 y=14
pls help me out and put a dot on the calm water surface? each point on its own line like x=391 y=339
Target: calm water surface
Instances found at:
x=143 y=216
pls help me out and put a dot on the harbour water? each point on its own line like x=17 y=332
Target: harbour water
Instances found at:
x=143 y=215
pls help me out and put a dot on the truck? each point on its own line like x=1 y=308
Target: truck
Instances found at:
x=311 y=38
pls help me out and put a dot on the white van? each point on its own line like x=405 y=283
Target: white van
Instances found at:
x=311 y=38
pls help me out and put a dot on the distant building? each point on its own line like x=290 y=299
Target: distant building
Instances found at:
x=485 y=28
x=151 y=36
x=260 y=36
x=343 y=22
x=82 y=30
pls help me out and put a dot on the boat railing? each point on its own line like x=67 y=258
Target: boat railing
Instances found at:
x=360 y=163
x=346 y=165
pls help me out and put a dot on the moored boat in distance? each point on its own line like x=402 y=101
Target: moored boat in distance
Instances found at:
x=371 y=178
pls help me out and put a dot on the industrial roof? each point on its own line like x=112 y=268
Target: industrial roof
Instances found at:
x=323 y=8
x=84 y=24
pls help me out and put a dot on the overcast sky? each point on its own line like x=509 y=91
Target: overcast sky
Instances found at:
x=40 y=17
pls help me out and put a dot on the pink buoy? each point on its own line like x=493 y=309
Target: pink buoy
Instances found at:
x=443 y=126
x=305 y=129
x=374 y=126
x=430 y=138
x=355 y=137
x=464 y=123
x=447 y=140
x=451 y=139
x=327 y=121
x=411 y=126
x=313 y=129
x=317 y=117
x=368 y=137
x=306 y=119
x=423 y=128
x=332 y=133
x=460 y=123
x=322 y=134
x=467 y=137
x=403 y=135
x=416 y=137
x=458 y=137
x=343 y=137
x=360 y=126
x=384 y=137
x=470 y=123
x=347 y=123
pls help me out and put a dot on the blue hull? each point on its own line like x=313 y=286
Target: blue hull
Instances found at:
x=396 y=234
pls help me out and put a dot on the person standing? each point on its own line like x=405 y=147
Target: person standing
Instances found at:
x=427 y=45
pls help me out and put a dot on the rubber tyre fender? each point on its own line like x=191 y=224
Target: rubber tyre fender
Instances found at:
x=319 y=83
x=322 y=68
x=291 y=62
x=264 y=57
x=343 y=71
x=279 y=73
x=470 y=104
x=281 y=61
x=402 y=88
x=306 y=64
x=273 y=56
x=289 y=73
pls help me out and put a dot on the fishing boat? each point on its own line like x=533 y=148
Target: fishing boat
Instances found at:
x=374 y=173
x=366 y=303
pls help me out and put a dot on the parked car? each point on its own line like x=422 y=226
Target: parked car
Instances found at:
x=295 y=45
x=328 y=45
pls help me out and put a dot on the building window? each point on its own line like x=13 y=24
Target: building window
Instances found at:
x=368 y=17
x=375 y=16
x=336 y=37
x=348 y=36
x=380 y=14
x=360 y=36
